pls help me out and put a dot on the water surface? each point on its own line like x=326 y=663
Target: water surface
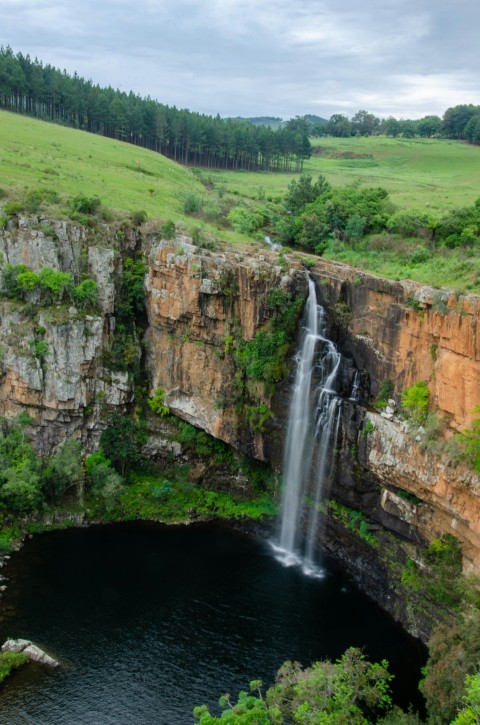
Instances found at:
x=151 y=620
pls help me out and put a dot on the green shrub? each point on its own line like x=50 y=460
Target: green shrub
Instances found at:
x=246 y=220
x=257 y=416
x=408 y=223
x=34 y=199
x=157 y=403
x=415 y=401
x=12 y=208
x=385 y=391
x=168 y=230
x=192 y=203
x=86 y=204
x=85 y=294
x=138 y=217
x=469 y=442
x=106 y=484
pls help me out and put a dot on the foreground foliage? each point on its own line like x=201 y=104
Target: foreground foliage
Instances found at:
x=350 y=690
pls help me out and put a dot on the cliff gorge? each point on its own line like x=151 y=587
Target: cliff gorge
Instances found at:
x=204 y=307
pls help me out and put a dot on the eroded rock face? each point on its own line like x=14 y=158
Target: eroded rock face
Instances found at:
x=406 y=332
x=197 y=302
x=448 y=496
x=51 y=363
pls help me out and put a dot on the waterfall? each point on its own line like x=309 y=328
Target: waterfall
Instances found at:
x=312 y=433
x=274 y=246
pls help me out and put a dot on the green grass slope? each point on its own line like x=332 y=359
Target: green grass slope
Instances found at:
x=431 y=174
x=36 y=154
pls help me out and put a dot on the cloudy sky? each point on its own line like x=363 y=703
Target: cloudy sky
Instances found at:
x=407 y=58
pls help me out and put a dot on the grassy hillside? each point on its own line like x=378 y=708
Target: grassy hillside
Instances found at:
x=434 y=174
x=127 y=178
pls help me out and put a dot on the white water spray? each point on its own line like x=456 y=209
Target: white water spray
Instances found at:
x=312 y=433
x=274 y=246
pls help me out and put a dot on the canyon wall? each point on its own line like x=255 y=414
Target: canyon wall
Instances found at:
x=202 y=306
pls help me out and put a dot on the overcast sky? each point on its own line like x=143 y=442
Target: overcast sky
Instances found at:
x=407 y=58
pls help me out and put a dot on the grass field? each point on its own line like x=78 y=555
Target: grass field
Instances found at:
x=430 y=174
x=36 y=154
x=434 y=174
x=125 y=177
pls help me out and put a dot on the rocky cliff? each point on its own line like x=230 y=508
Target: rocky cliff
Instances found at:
x=204 y=307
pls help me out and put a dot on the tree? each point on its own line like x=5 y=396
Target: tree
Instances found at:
x=64 y=470
x=106 y=483
x=339 y=125
x=122 y=442
x=470 y=712
x=20 y=469
x=469 y=441
x=415 y=400
x=454 y=652
x=85 y=294
x=429 y=126
x=349 y=690
x=305 y=190
x=365 y=123
x=456 y=118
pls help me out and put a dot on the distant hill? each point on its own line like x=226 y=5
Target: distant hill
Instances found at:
x=272 y=121
x=311 y=118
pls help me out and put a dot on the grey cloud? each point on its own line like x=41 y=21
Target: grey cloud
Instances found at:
x=278 y=57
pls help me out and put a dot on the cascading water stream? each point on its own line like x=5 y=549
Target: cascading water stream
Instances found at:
x=312 y=433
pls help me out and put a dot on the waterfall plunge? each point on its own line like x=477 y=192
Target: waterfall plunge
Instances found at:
x=312 y=433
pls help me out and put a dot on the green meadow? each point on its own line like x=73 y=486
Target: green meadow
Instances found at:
x=127 y=178
x=430 y=174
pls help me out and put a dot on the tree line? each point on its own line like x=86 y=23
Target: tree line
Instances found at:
x=28 y=86
x=458 y=122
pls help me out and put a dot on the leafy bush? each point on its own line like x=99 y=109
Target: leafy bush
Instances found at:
x=257 y=416
x=86 y=204
x=20 y=474
x=85 y=294
x=385 y=392
x=469 y=442
x=192 y=203
x=138 y=217
x=106 y=484
x=168 y=230
x=415 y=401
x=303 y=191
x=35 y=198
x=157 y=403
x=470 y=712
x=345 y=691
x=122 y=440
x=408 y=223
x=12 y=208
x=63 y=470
x=246 y=220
